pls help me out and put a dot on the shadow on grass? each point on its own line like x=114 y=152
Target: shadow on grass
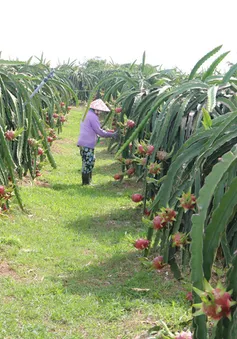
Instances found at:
x=110 y=188
x=107 y=169
x=124 y=278
x=95 y=191
x=110 y=227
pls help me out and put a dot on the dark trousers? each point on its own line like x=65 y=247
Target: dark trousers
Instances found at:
x=88 y=162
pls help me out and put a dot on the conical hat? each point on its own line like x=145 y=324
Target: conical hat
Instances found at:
x=99 y=105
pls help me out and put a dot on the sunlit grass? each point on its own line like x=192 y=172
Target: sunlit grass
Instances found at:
x=68 y=267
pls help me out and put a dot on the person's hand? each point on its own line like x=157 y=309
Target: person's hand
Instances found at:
x=115 y=135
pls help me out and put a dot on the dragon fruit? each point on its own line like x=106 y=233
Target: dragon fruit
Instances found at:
x=118 y=109
x=131 y=171
x=158 y=262
x=150 y=149
x=216 y=302
x=2 y=190
x=179 y=239
x=188 y=201
x=118 y=176
x=154 y=168
x=136 y=197
x=10 y=135
x=158 y=223
x=141 y=244
x=130 y=124
x=140 y=149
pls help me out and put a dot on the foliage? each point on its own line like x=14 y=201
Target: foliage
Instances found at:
x=71 y=249
x=26 y=121
x=191 y=123
x=178 y=132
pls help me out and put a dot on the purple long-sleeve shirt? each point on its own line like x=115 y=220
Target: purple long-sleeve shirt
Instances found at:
x=90 y=129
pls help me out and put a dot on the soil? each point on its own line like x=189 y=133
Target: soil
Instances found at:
x=7 y=271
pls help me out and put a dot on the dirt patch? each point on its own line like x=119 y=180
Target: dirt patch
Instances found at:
x=28 y=181
x=61 y=142
x=25 y=181
x=133 y=183
x=56 y=149
x=7 y=271
x=41 y=183
x=57 y=145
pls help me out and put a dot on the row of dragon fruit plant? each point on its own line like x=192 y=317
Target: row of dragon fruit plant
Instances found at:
x=29 y=124
x=179 y=134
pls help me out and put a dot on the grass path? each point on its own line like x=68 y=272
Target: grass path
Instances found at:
x=67 y=266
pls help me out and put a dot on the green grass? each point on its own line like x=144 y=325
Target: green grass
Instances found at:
x=67 y=266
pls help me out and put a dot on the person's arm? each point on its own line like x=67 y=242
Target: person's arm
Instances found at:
x=95 y=124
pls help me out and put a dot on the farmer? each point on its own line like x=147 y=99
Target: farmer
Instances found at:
x=89 y=131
